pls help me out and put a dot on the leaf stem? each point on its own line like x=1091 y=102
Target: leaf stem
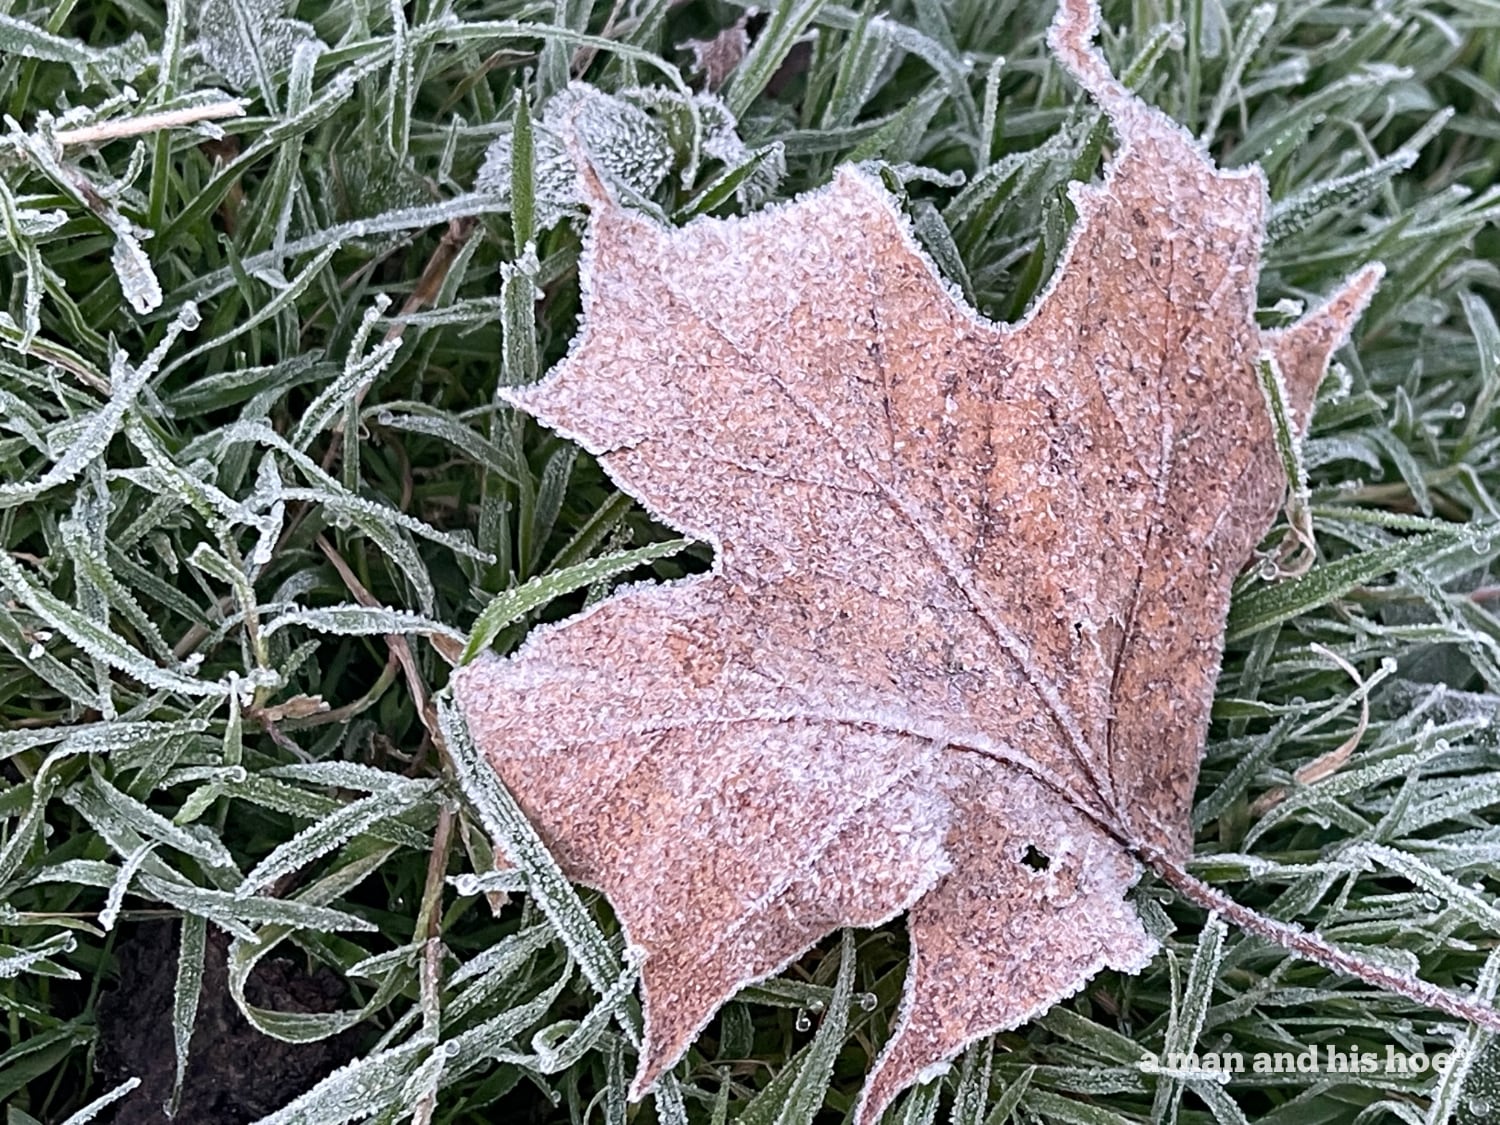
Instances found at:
x=1311 y=946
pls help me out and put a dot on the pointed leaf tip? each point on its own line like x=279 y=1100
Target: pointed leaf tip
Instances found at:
x=1304 y=350
x=1071 y=38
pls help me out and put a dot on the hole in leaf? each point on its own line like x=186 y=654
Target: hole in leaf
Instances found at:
x=1036 y=859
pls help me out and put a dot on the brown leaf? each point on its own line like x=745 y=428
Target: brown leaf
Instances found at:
x=297 y=707
x=716 y=58
x=969 y=593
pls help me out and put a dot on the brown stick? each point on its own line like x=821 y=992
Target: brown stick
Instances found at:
x=149 y=123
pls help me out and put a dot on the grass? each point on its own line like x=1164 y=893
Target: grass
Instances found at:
x=248 y=429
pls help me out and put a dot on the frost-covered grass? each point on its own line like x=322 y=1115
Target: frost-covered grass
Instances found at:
x=248 y=434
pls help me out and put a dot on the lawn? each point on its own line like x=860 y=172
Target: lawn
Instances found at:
x=267 y=271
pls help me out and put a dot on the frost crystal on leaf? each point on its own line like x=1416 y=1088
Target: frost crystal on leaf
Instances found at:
x=623 y=143
x=958 y=649
x=630 y=139
x=720 y=139
x=249 y=40
x=138 y=281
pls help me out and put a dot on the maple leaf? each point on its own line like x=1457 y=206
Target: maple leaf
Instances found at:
x=958 y=648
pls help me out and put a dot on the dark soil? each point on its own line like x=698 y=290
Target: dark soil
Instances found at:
x=235 y=1074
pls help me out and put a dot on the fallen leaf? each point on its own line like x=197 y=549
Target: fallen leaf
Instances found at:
x=958 y=648
x=716 y=58
x=297 y=707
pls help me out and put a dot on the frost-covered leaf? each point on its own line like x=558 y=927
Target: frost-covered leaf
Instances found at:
x=116 y=897
x=624 y=144
x=704 y=122
x=129 y=814
x=23 y=39
x=248 y=41
x=349 y=1092
x=15 y=960
x=237 y=914
x=958 y=650
x=509 y=606
x=186 y=990
x=138 y=283
x=714 y=59
x=360 y=370
x=91 y=1111
x=30 y=223
x=96 y=640
x=795 y=1096
x=359 y=620
x=335 y=830
x=87 y=442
